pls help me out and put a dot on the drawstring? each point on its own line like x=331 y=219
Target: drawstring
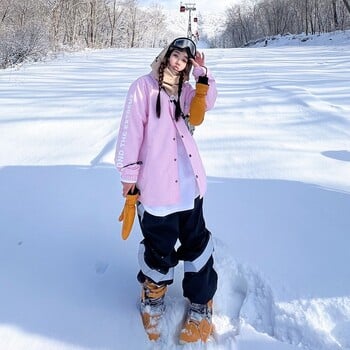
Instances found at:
x=139 y=162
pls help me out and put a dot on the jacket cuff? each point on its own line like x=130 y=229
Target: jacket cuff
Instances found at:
x=199 y=71
x=128 y=178
x=129 y=175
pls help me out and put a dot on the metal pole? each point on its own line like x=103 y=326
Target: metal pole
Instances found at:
x=189 y=30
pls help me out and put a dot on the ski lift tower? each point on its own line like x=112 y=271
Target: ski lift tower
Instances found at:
x=188 y=7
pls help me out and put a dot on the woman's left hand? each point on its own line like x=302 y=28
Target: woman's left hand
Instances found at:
x=199 y=60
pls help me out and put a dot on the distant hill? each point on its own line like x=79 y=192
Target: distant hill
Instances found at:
x=332 y=38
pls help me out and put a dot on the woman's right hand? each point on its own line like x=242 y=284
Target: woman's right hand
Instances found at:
x=127 y=186
x=199 y=60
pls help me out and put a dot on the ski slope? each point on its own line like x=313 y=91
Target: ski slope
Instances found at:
x=277 y=153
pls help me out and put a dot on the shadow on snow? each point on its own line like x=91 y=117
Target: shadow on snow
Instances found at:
x=70 y=277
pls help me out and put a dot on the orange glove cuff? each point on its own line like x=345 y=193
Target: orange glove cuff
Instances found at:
x=128 y=214
x=198 y=104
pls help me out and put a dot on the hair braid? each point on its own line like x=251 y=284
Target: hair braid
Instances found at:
x=178 y=111
x=160 y=82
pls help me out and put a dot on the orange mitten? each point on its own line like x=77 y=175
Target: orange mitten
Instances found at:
x=128 y=214
x=198 y=104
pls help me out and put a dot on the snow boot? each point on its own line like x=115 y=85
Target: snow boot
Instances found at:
x=152 y=307
x=198 y=325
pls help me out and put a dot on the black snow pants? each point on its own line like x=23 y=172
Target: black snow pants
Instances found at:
x=158 y=254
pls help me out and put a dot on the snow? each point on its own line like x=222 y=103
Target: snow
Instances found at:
x=276 y=149
x=333 y=38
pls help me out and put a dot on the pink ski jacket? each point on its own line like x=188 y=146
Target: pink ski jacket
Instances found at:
x=146 y=150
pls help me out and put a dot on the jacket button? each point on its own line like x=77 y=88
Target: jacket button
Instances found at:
x=196 y=176
x=174 y=138
x=176 y=181
x=190 y=155
x=175 y=159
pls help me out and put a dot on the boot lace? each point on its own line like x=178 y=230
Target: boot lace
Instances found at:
x=153 y=298
x=198 y=312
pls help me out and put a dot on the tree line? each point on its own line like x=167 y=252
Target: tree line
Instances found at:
x=31 y=29
x=266 y=18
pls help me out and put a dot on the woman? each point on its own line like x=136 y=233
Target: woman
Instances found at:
x=157 y=156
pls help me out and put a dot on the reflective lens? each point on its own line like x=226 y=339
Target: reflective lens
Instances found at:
x=185 y=43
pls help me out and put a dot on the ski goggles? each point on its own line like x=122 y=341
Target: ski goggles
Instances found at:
x=185 y=43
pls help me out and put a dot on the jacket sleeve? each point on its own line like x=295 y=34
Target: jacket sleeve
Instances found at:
x=212 y=91
x=130 y=134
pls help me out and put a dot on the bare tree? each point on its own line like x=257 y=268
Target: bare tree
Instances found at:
x=335 y=15
x=4 y=11
x=272 y=17
x=347 y=5
x=113 y=13
x=24 y=31
x=154 y=21
x=133 y=17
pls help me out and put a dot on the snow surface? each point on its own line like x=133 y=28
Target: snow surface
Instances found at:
x=277 y=153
